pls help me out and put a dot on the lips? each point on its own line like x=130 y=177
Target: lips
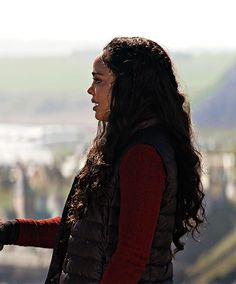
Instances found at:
x=96 y=104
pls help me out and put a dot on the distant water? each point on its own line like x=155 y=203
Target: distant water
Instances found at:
x=28 y=143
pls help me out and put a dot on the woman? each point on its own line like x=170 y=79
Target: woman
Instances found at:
x=140 y=188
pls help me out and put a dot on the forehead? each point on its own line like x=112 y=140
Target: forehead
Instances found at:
x=99 y=66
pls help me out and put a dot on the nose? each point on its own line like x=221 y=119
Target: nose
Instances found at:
x=90 y=90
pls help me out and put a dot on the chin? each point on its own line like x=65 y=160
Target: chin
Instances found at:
x=101 y=118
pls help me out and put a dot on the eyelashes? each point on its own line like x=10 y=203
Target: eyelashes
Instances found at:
x=97 y=81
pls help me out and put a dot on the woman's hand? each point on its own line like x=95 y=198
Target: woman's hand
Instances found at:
x=9 y=232
x=1 y=228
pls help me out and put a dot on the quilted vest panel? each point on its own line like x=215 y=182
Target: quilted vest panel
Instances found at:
x=93 y=239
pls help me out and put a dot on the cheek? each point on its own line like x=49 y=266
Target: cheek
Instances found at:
x=109 y=96
x=106 y=94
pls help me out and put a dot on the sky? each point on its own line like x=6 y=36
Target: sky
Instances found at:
x=175 y=24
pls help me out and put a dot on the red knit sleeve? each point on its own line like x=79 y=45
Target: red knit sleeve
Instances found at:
x=142 y=182
x=38 y=233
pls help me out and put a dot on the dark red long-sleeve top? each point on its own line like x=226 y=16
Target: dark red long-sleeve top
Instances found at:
x=142 y=183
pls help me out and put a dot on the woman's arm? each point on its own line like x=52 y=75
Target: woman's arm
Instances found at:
x=38 y=233
x=9 y=232
x=142 y=183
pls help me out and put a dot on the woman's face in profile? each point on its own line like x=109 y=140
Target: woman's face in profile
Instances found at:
x=100 y=88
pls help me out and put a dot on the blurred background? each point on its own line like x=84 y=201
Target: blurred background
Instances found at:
x=47 y=122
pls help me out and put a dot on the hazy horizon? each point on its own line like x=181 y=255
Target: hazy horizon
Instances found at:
x=57 y=27
x=18 y=47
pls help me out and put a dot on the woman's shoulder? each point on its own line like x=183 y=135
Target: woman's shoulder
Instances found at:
x=141 y=150
x=141 y=155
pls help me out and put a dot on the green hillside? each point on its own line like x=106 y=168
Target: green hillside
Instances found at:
x=199 y=74
x=45 y=75
x=54 y=88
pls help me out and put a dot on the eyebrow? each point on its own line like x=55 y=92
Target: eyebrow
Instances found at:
x=96 y=73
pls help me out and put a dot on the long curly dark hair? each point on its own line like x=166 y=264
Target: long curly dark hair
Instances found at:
x=145 y=88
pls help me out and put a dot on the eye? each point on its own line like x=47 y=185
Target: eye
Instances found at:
x=96 y=80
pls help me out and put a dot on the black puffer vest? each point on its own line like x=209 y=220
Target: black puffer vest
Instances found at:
x=87 y=248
